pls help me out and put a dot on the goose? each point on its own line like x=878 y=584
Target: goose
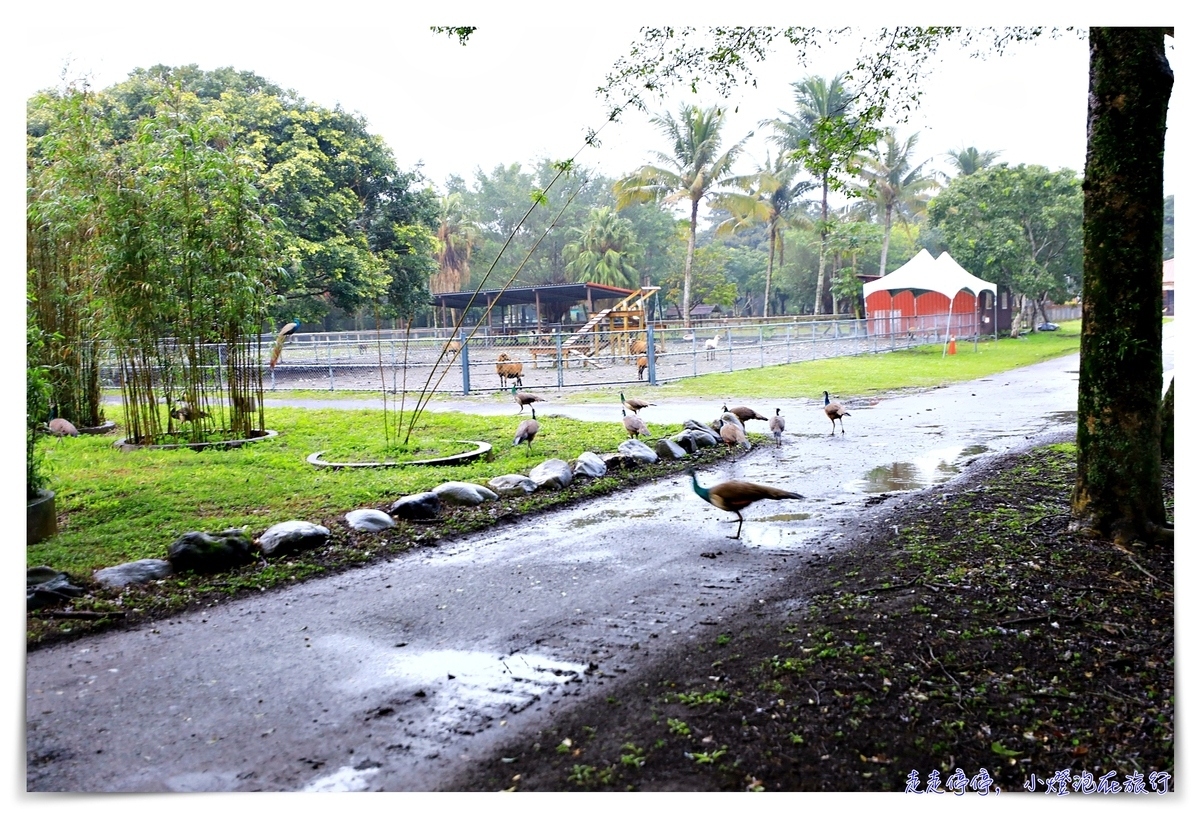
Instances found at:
x=835 y=412
x=734 y=435
x=735 y=495
x=634 y=425
x=777 y=428
x=744 y=413
x=524 y=399
x=527 y=431
x=635 y=405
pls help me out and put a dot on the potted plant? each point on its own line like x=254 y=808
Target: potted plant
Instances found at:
x=41 y=521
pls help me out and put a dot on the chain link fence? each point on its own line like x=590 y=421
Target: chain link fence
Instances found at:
x=488 y=361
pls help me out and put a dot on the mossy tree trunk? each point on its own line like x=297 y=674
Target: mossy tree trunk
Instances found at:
x=1118 y=489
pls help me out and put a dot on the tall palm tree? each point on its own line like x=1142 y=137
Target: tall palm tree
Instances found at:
x=603 y=250
x=456 y=236
x=693 y=170
x=772 y=198
x=893 y=184
x=971 y=160
x=821 y=121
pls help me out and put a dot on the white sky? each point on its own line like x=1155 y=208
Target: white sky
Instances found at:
x=524 y=87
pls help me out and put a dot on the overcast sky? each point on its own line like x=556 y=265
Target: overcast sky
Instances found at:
x=524 y=86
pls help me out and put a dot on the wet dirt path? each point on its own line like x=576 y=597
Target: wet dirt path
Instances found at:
x=397 y=675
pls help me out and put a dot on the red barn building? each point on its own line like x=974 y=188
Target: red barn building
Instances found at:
x=939 y=297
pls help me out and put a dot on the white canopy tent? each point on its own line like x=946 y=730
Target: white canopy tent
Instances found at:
x=922 y=273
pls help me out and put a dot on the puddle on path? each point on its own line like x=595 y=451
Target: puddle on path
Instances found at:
x=782 y=518
x=609 y=516
x=1064 y=417
x=937 y=466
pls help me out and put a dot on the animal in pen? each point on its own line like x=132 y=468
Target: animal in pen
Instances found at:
x=710 y=347
x=508 y=369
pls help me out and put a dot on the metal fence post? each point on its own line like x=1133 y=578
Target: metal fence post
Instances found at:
x=558 y=354
x=650 y=356
x=729 y=332
x=761 y=353
x=694 y=353
x=329 y=349
x=464 y=357
x=788 y=340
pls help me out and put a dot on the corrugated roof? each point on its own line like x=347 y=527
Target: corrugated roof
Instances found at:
x=549 y=293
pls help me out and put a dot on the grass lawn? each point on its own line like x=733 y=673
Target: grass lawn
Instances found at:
x=118 y=506
x=920 y=367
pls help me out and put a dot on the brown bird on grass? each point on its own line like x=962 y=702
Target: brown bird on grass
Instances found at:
x=735 y=495
x=186 y=412
x=635 y=405
x=835 y=412
x=734 y=435
x=527 y=431
x=634 y=425
x=524 y=399
x=744 y=413
x=777 y=428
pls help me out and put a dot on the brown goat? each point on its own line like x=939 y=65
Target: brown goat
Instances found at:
x=508 y=369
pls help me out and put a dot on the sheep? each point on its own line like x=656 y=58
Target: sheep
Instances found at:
x=642 y=363
x=508 y=369
x=710 y=346
x=638 y=347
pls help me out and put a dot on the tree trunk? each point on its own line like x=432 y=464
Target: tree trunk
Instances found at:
x=887 y=236
x=770 y=267
x=1168 y=423
x=1118 y=491
x=687 y=268
x=819 y=306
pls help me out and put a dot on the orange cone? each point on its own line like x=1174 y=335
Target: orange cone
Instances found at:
x=953 y=347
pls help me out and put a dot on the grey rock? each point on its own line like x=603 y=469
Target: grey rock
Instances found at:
x=638 y=450
x=615 y=461
x=45 y=587
x=669 y=450
x=369 y=519
x=294 y=535
x=692 y=424
x=424 y=505
x=132 y=573
x=512 y=485
x=685 y=441
x=589 y=464
x=464 y=494
x=552 y=474
x=702 y=438
x=209 y=553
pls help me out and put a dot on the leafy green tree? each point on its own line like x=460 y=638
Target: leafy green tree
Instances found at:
x=457 y=235
x=68 y=162
x=1021 y=227
x=513 y=241
x=773 y=199
x=355 y=227
x=823 y=133
x=710 y=282
x=966 y=161
x=695 y=169
x=604 y=251
x=894 y=185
